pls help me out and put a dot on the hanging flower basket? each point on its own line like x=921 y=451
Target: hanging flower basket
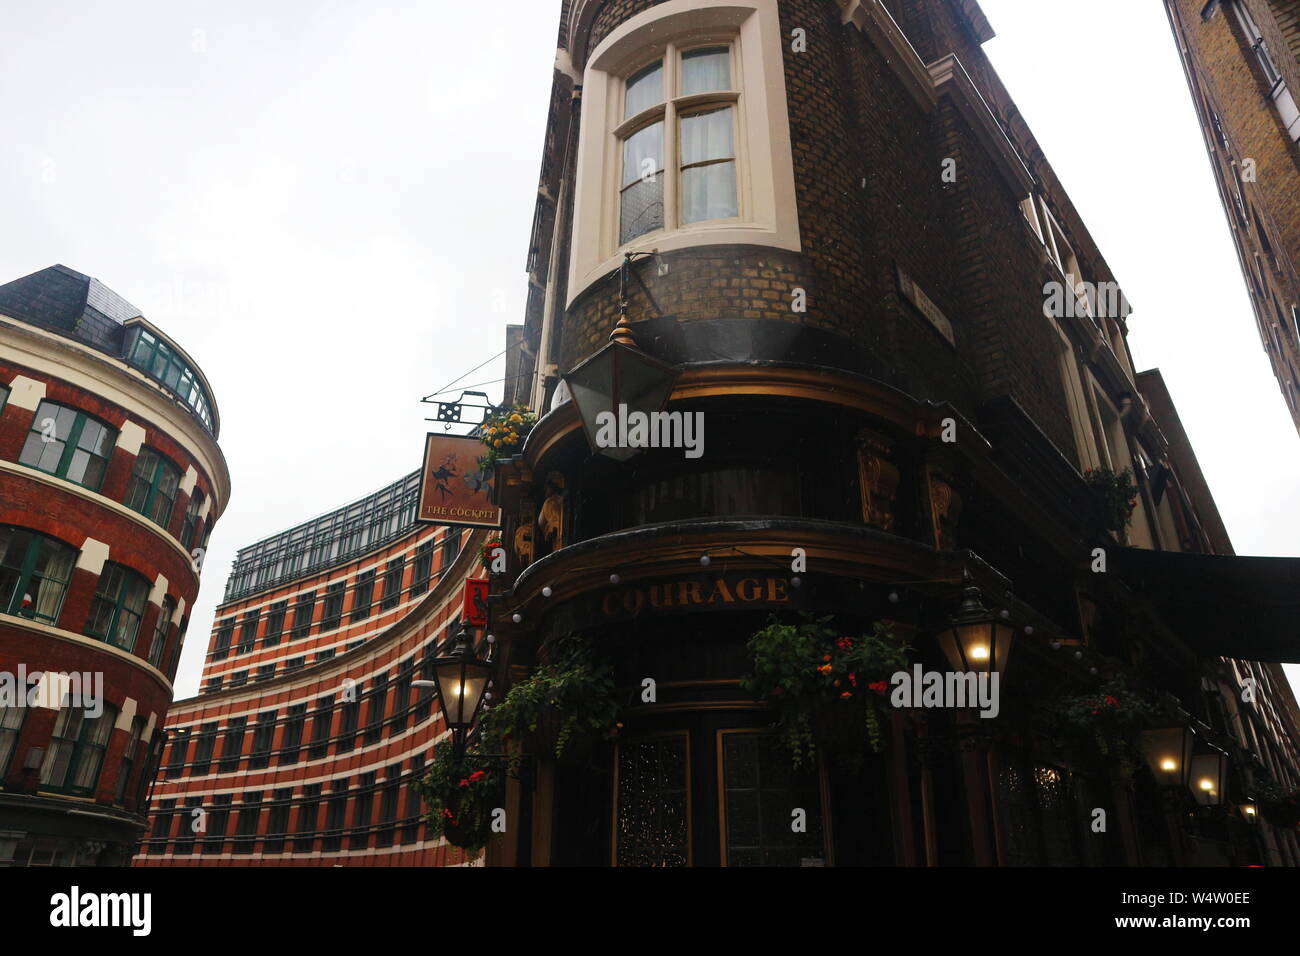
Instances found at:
x=503 y=434
x=461 y=796
x=486 y=551
x=830 y=690
x=1106 y=724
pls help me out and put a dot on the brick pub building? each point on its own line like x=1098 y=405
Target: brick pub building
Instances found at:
x=843 y=234
x=301 y=746
x=110 y=482
x=1242 y=60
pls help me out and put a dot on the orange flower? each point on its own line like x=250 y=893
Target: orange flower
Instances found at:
x=825 y=668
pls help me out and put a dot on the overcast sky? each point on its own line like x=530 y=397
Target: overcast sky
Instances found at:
x=328 y=205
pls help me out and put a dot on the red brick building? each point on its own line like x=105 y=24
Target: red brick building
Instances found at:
x=110 y=482
x=1242 y=60
x=301 y=746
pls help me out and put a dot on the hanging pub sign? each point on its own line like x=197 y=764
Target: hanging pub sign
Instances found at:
x=454 y=490
x=474 y=609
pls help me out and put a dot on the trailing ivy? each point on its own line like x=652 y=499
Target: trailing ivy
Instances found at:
x=1118 y=496
x=568 y=699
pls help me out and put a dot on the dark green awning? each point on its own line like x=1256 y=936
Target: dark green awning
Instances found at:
x=1220 y=605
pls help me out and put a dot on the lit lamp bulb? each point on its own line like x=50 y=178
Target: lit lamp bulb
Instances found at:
x=1250 y=811
x=979 y=653
x=1207 y=785
x=1169 y=765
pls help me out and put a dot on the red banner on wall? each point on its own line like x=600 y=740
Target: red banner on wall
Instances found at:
x=454 y=490
x=474 y=610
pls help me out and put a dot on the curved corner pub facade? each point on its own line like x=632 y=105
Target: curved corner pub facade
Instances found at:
x=821 y=234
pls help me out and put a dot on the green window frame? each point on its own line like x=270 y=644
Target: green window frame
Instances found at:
x=120 y=599
x=161 y=363
x=128 y=759
x=154 y=482
x=191 y=526
x=160 y=631
x=35 y=570
x=76 y=755
x=11 y=725
x=78 y=450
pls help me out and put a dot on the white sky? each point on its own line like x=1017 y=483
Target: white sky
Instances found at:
x=328 y=205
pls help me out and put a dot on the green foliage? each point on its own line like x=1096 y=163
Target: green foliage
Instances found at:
x=567 y=697
x=1108 y=723
x=829 y=689
x=503 y=434
x=1118 y=496
x=461 y=795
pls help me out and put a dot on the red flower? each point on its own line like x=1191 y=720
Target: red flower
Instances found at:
x=880 y=687
x=1111 y=701
x=826 y=657
x=844 y=644
x=853 y=679
x=477 y=775
x=446 y=813
x=846 y=694
x=465 y=783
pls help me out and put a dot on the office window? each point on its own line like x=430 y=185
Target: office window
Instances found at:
x=362 y=810
x=325 y=654
x=161 y=830
x=378 y=710
x=185 y=832
x=275 y=623
x=191 y=529
x=294 y=663
x=218 y=819
x=424 y=700
x=291 y=745
x=246 y=823
x=402 y=704
x=335 y=817
x=348 y=726
x=265 y=672
x=205 y=743
x=119 y=603
x=159 y=642
x=277 y=821
x=76 y=754
x=180 y=743
x=225 y=633
x=232 y=748
x=760 y=789
x=213 y=685
x=332 y=612
x=308 y=814
x=70 y=444
x=238 y=678
x=388 y=797
x=414 y=816
x=127 y=766
x=450 y=548
x=423 y=568
x=393 y=584
x=320 y=728
x=302 y=612
x=152 y=490
x=248 y=631
x=263 y=735
x=161 y=363
x=34 y=574
x=365 y=595
x=1277 y=89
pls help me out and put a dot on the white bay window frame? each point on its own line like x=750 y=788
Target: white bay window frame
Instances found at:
x=764 y=166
